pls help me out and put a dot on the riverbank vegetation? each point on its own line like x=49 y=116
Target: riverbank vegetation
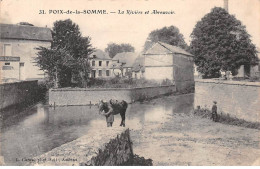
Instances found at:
x=226 y=118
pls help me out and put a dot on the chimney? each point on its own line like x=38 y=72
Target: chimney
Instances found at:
x=226 y=5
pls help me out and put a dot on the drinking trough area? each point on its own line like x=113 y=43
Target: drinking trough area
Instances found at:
x=163 y=129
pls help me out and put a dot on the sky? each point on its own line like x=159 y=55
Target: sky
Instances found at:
x=124 y=28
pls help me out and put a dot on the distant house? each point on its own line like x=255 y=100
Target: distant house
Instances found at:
x=249 y=70
x=138 y=69
x=17 y=51
x=101 y=65
x=123 y=63
x=163 y=61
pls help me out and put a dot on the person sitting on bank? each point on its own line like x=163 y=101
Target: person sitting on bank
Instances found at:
x=214 y=114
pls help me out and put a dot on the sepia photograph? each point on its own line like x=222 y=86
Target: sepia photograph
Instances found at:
x=129 y=83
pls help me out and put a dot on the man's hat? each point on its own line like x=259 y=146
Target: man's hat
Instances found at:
x=215 y=102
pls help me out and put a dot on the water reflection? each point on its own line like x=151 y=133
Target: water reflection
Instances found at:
x=42 y=128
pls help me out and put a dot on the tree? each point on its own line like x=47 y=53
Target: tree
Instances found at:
x=113 y=48
x=221 y=42
x=68 y=56
x=170 y=35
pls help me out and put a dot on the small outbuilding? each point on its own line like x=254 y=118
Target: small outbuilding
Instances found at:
x=166 y=62
x=123 y=63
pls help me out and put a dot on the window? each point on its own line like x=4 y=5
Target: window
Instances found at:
x=7 y=50
x=94 y=73
x=8 y=63
x=107 y=63
x=100 y=63
x=21 y=64
x=100 y=73
x=7 y=68
x=93 y=63
x=107 y=72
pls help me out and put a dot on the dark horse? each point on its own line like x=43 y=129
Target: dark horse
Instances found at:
x=115 y=107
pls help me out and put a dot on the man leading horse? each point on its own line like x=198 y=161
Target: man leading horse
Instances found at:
x=111 y=108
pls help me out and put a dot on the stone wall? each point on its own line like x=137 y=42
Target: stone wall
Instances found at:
x=79 y=151
x=18 y=93
x=117 y=151
x=86 y=96
x=239 y=99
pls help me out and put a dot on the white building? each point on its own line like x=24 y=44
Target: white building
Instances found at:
x=17 y=51
x=163 y=61
x=101 y=65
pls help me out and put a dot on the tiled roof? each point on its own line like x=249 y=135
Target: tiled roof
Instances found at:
x=164 y=48
x=99 y=54
x=25 y=32
x=127 y=58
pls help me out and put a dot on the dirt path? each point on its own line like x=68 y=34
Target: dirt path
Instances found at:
x=188 y=140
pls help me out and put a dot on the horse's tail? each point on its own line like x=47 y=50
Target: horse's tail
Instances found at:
x=124 y=104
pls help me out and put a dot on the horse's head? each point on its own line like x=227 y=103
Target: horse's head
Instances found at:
x=102 y=106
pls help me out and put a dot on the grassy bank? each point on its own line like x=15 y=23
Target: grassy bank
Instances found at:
x=225 y=118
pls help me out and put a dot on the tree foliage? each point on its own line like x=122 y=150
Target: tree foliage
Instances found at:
x=221 y=42
x=68 y=56
x=170 y=35
x=113 y=48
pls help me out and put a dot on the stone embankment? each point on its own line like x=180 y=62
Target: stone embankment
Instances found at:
x=240 y=99
x=18 y=93
x=105 y=147
x=88 y=96
x=79 y=151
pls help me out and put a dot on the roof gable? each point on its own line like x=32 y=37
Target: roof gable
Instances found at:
x=164 y=48
x=25 y=32
x=99 y=54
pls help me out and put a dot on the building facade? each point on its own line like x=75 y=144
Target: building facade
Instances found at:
x=101 y=65
x=166 y=62
x=18 y=45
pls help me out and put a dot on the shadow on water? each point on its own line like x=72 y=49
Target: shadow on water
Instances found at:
x=39 y=129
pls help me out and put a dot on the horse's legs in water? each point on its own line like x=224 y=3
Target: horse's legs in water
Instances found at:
x=123 y=119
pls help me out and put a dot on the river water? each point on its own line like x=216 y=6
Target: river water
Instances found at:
x=41 y=128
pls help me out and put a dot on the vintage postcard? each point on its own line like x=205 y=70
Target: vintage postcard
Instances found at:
x=129 y=82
